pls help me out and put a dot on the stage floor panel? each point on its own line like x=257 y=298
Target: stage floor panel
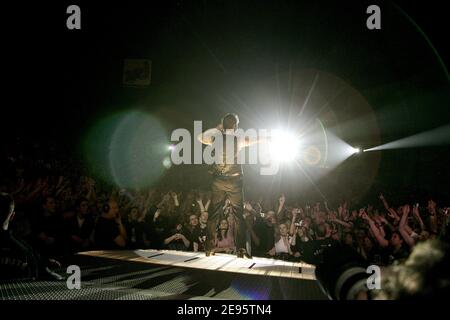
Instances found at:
x=217 y=262
x=169 y=275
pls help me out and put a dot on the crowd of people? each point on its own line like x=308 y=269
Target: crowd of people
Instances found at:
x=58 y=215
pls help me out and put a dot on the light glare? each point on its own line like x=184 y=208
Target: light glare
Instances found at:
x=284 y=146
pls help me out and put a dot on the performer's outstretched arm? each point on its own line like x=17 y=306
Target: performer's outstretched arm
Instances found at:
x=249 y=142
x=207 y=137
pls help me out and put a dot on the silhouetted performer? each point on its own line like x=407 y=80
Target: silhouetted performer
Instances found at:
x=227 y=177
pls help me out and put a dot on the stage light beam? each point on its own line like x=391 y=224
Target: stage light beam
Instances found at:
x=435 y=137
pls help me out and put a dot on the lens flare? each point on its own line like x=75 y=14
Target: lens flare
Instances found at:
x=128 y=149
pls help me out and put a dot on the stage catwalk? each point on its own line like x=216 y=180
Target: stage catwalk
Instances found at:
x=153 y=274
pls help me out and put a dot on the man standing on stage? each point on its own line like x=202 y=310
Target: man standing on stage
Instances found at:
x=227 y=179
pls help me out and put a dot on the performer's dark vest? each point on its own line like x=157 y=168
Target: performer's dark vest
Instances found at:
x=227 y=169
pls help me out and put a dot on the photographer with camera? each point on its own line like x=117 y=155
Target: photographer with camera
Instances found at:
x=300 y=231
x=19 y=260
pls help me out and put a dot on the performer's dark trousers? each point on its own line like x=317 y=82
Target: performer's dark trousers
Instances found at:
x=228 y=188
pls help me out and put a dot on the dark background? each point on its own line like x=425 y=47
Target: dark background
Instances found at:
x=213 y=57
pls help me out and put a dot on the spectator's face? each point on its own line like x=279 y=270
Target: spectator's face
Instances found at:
x=114 y=209
x=204 y=217
x=424 y=235
x=223 y=224
x=283 y=230
x=134 y=214
x=367 y=243
x=321 y=231
x=348 y=239
x=335 y=236
x=50 y=205
x=83 y=208
x=360 y=234
x=67 y=193
x=307 y=222
x=320 y=218
x=289 y=212
x=396 y=240
x=193 y=220
x=270 y=218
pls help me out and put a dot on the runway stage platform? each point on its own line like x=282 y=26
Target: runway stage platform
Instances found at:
x=165 y=274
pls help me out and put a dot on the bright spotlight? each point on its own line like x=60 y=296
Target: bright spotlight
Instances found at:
x=356 y=150
x=284 y=146
x=171 y=147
